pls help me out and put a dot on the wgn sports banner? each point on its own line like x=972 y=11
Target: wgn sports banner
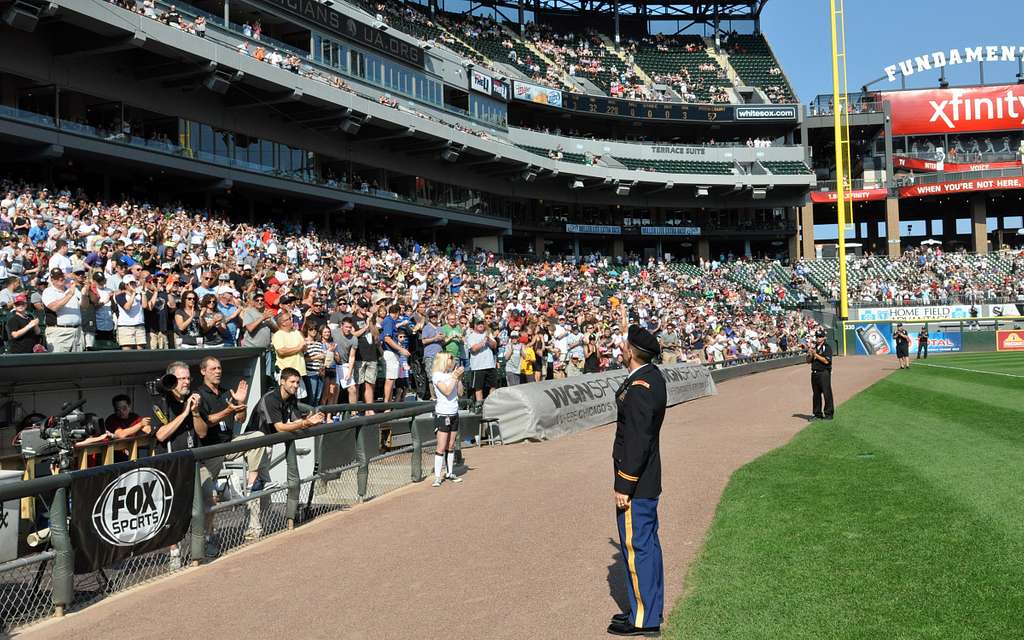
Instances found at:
x=554 y=408
x=131 y=508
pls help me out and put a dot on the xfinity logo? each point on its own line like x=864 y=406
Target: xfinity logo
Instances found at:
x=957 y=109
x=134 y=507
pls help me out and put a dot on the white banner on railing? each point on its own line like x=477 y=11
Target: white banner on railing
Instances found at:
x=554 y=408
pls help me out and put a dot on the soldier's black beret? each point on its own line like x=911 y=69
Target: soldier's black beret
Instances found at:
x=642 y=339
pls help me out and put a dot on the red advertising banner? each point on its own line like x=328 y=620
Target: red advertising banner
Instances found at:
x=951 y=167
x=1009 y=340
x=961 y=186
x=857 y=195
x=937 y=111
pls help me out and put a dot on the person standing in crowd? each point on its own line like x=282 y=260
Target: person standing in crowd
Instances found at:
x=345 y=353
x=315 y=357
x=131 y=322
x=528 y=358
x=669 y=340
x=640 y=403
x=447 y=382
x=480 y=345
x=22 y=329
x=366 y=352
x=187 y=334
x=819 y=355
x=289 y=344
x=591 y=357
x=902 y=339
x=390 y=343
x=257 y=322
x=158 y=312
x=513 y=359
x=540 y=364
x=330 y=369
x=63 y=300
x=922 y=342
x=432 y=339
x=211 y=322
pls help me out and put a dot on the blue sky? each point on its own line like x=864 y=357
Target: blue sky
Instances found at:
x=883 y=32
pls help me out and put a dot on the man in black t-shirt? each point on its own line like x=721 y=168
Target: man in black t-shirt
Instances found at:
x=366 y=350
x=182 y=431
x=278 y=410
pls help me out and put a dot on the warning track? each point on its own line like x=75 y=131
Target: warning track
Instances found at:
x=524 y=548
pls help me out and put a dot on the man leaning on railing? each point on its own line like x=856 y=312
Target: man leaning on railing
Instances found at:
x=278 y=410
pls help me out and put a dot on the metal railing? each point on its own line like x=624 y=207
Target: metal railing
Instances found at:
x=36 y=586
x=934 y=178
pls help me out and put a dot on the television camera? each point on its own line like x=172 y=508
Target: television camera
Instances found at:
x=56 y=436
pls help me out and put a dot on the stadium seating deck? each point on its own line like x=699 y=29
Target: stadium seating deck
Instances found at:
x=659 y=63
x=678 y=166
x=786 y=168
x=753 y=61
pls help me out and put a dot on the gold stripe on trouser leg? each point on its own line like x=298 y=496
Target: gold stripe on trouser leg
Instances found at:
x=631 y=561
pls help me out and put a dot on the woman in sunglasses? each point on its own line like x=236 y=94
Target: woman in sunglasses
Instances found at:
x=187 y=332
x=211 y=321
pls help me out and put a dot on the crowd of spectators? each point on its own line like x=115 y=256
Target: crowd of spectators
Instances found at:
x=927 y=275
x=81 y=274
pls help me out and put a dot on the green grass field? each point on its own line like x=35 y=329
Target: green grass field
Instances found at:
x=902 y=518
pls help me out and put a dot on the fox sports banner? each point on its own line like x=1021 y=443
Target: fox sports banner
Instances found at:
x=554 y=408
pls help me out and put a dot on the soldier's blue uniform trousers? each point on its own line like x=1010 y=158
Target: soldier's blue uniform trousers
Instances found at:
x=641 y=553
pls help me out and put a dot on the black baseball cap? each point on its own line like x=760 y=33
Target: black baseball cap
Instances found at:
x=820 y=333
x=364 y=303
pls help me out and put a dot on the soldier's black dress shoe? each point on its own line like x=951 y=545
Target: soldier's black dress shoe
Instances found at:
x=625 y=629
x=621 y=617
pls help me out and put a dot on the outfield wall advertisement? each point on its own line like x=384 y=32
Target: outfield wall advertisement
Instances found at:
x=876 y=339
x=1010 y=340
x=934 y=313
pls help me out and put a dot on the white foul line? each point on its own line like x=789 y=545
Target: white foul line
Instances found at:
x=993 y=373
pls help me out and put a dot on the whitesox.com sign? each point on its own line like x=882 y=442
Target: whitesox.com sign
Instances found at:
x=133 y=508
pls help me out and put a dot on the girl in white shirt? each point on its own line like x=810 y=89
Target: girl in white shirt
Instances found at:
x=447 y=381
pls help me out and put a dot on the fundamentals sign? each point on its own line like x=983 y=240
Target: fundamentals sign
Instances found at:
x=940 y=59
x=554 y=408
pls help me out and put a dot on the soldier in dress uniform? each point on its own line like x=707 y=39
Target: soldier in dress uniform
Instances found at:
x=637 y=463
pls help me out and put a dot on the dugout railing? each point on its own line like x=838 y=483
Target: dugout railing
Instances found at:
x=39 y=584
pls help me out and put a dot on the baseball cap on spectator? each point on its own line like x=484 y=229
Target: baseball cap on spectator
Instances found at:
x=221 y=290
x=21 y=298
x=128 y=279
x=223 y=277
x=56 y=273
x=247 y=267
x=126 y=261
x=79 y=269
x=363 y=302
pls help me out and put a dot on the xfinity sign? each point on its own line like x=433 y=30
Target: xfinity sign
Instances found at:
x=134 y=507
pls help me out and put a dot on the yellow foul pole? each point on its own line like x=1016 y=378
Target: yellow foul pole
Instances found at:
x=839 y=100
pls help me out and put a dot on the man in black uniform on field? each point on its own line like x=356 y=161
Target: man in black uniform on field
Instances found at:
x=819 y=355
x=641 y=409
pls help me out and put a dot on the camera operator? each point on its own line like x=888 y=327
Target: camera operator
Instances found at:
x=62 y=301
x=124 y=423
x=182 y=431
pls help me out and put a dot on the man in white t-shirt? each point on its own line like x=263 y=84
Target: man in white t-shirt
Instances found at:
x=60 y=259
x=62 y=302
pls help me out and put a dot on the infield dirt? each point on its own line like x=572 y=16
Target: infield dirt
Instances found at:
x=524 y=548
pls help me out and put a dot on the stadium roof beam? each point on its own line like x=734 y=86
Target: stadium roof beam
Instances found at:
x=136 y=40
x=404 y=132
x=247 y=100
x=695 y=11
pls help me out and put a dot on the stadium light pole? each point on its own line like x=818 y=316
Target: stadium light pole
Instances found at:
x=839 y=99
